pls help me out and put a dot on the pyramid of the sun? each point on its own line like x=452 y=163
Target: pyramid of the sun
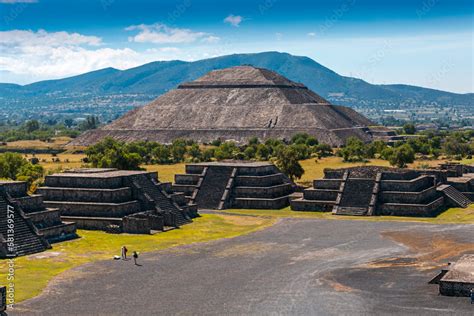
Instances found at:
x=235 y=104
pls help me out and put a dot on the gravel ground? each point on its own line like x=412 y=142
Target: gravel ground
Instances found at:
x=296 y=267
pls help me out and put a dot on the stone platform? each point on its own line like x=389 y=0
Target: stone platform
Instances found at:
x=234 y=184
x=116 y=200
x=26 y=225
x=385 y=191
x=458 y=279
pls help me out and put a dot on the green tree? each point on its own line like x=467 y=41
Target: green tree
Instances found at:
x=91 y=122
x=195 y=152
x=249 y=152
x=323 y=150
x=401 y=156
x=353 y=151
x=409 y=129
x=263 y=152
x=110 y=153
x=287 y=161
x=32 y=126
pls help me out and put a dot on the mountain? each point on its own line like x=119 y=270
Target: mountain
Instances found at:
x=111 y=92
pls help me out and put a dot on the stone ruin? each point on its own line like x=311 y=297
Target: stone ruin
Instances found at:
x=116 y=200
x=236 y=104
x=33 y=225
x=374 y=190
x=458 y=278
x=232 y=184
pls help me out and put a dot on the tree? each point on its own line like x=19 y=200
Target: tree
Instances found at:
x=263 y=152
x=110 y=153
x=401 y=156
x=10 y=165
x=353 y=151
x=409 y=129
x=287 y=161
x=249 y=152
x=195 y=152
x=322 y=150
x=32 y=126
x=91 y=122
x=68 y=122
x=455 y=145
x=13 y=166
x=178 y=150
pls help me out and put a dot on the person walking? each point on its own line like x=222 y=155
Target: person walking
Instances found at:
x=472 y=296
x=124 y=252
x=135 y=257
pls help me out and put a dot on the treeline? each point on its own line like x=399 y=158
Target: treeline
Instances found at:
x=427 y=145
x=111 y=153
x=45 y=131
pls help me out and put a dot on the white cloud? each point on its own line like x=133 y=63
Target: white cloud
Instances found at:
x=57 y=54
x=234 y=20
x=42 y=38
x=312 y=34
x=27 y=56
x=18 y=1
x=159 y=33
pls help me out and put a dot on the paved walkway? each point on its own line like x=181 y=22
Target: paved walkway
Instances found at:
x=296 y=267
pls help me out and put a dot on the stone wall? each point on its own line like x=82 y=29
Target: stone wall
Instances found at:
x=263 y=192
x=136 y=225
x=59 y=232
x=422 y=210
x=258 y=181
x=252 y=203
x=15 y=189
x=118 y=195
x=30 y=203
x=95 y=209
x=455 y=288
x=93 y=223
x=83 y=182
x=330 y=184
x=45 y=218
x=414 y=185
x=320 y=194
x=409 y=197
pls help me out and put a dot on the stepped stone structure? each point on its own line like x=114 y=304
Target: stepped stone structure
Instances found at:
x=388 y=191
x=25 y=224
x=232 y=184
x=116 y=200
x=236 y=104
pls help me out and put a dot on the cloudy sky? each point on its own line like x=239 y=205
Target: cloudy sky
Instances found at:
x=422 y=42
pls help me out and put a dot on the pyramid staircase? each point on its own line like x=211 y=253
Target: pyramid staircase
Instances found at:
x=453 y=195
x=212 y=187
x=355 y=198
x=162 y=200
x=27 y=239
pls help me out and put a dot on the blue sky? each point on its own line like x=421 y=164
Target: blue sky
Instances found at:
x=421 y=42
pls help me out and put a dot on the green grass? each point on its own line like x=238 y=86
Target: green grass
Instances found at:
x=32 y=273
x=450 y=216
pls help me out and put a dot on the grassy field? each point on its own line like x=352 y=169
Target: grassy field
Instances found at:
x=451 y=216
x=32 y=273
x=166 y=172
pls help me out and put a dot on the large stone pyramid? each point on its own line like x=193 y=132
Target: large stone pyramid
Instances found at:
x=235 y=104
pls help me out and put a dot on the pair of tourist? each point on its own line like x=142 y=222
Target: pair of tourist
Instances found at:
x=134 y=255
